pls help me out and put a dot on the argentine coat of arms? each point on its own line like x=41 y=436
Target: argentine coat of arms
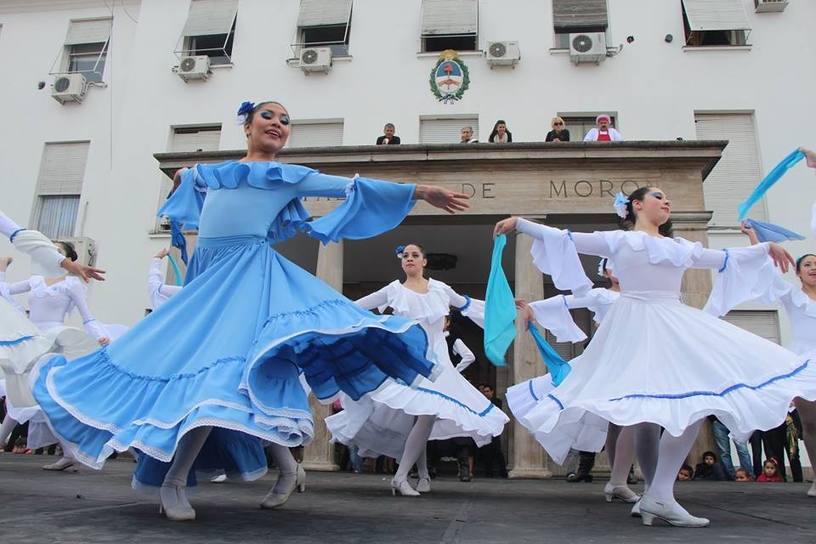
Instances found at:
x=449 y=77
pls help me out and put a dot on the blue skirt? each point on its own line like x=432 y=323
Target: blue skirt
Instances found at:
x=227 y=352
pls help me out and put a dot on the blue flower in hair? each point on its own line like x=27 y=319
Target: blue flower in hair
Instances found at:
x=400 y=249
x=246 y=107
x=621 y=201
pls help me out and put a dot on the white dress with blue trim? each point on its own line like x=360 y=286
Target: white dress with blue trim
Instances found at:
x=554 y=315
x=379 y=424
x=228 y=349
x=21 y=342
x=655 y=359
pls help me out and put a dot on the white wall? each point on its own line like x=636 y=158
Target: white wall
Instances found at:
x=655 y=88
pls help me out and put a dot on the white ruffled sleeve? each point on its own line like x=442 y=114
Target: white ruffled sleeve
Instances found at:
x=461 y=349
x=77 y=293
x=44 y=256
x=555 y=252
x=159 y=291
x=378 y=299
x=745 y=273
x=554 y=315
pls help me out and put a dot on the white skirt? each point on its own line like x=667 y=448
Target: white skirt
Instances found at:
x=21 y=345
x=379 y=423
x=656 y=360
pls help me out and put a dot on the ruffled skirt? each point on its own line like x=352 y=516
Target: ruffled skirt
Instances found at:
x=226 y=352
x=656 y=360
x=379 y=423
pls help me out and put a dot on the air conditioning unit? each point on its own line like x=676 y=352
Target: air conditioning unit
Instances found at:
x=587 y=47
x=69 y=88
x=85 y=248
x=764 y=6
x=503 y=53
x=315 y=59
x=195 y=67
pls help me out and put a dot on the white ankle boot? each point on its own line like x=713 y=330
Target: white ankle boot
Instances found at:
x=424 y=485
x=174 y=503
x=403 y=488
x=670 y=512
x=284 y=487
x=812 y=491
x=62 y=464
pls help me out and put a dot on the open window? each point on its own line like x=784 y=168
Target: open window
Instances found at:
x=715 y=23
x=324 y=23
x=578 y=16
x=86 y=48
x=210 y=30
x=450 y=24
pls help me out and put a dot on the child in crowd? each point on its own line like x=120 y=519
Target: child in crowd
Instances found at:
x=741 y=475
x=710 y=469
x=685 y=473
x=770 y=471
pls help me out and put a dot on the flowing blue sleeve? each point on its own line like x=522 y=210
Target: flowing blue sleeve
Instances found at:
x=371 y=207
x=185 y=204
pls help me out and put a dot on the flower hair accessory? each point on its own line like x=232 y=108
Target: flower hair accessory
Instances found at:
x=244 y=110
x=400 y=250
x=621 y=201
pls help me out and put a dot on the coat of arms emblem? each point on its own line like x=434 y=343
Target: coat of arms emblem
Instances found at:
x=449 y=77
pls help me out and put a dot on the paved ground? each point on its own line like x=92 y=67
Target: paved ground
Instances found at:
x=97 y=507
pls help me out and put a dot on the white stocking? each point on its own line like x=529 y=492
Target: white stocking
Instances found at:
x=5 y=429
x=612 y=442
x=286 y=465
x=188 y=449
x=647 y=440
x=671 y=455
x=415 y=446
x=807 y=414
x=623 y=457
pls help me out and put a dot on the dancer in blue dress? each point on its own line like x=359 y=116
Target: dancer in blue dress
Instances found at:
x=198 y=382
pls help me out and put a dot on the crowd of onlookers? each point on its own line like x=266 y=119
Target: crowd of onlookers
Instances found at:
x=601 y=132
x=777 y=443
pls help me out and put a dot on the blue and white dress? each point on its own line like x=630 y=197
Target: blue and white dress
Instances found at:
x=228 y=349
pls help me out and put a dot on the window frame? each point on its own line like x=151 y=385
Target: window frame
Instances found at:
x=188 y=49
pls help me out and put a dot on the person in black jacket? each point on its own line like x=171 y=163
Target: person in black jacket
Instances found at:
x=710 y=469
x=388 y=137
x=559 y=132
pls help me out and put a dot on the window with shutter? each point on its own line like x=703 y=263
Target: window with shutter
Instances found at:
x=86 y=48
x=715 y=22
x=325 y=23
x=446 y=130
x=450 y=24
x=210 y=30
x=59 y=187
x=316 y=133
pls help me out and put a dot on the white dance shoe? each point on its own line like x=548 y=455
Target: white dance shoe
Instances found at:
x=403 y=488
x=220 y=479
x=63 y=464
x=174 y=503
x=670 y=512
x=284 y=488
x=424 y=485
x=635 y=511
x=812 y=491
x=621 y=493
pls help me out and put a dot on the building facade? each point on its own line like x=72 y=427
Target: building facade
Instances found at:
x=80 y=157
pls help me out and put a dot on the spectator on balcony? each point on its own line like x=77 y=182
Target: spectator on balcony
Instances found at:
x=466 y=136
x=500 y=134
x=603 y=132
x=388 y=137
x=559 y=132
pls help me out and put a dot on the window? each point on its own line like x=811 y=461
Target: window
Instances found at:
x=325 y=23
x=446 y=130
x=59 y=187
x=715 y=22
x=210 y=30
x=323 y=133
x=579 y=124
x=450 y=24
x=737 y=172
x=575 y=16
x=86 y=48
x=187 y=139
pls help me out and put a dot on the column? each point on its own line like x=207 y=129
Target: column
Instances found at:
x=319 y=453
x=696 y=287
x=527 y=458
